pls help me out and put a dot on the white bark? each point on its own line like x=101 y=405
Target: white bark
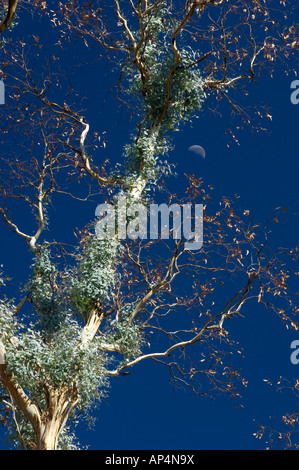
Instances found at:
x=2 y=353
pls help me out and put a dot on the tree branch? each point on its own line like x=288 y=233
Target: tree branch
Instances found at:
x=12 y=6
x=18 y=395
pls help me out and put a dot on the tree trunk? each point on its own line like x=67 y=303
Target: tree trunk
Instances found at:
x=60 y=402
x=48 y=435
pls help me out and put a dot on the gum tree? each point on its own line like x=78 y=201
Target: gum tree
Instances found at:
x=92 y=311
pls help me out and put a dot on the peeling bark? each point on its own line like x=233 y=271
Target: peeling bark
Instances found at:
x=60 y=402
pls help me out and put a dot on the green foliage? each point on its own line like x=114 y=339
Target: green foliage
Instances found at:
x=143 y=158
x=94 y=278
x=58 y=362
x=43 y=292
x=13 y=23
x=51 y=351
x=187 y=93
x=160 y=63
x=127 y=337
x=168 y=94
x=8 y=323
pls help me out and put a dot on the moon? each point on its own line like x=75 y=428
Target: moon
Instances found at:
x=198 y=150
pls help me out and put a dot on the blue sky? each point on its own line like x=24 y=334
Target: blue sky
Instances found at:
x=142 y=410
